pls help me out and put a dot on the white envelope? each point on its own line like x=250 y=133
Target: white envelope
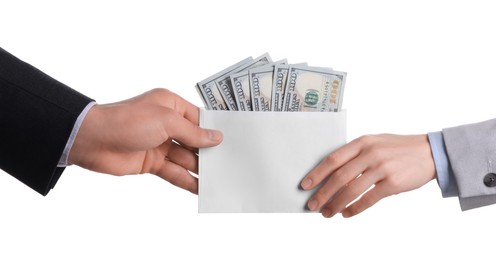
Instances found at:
x=263 y=158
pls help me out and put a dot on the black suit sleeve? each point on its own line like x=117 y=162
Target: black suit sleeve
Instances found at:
x=37 y=114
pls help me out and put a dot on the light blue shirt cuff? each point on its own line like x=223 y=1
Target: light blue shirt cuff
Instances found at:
x=68 y=146
x=445 y=177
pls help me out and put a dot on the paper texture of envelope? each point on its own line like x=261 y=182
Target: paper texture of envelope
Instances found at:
x=263 y=158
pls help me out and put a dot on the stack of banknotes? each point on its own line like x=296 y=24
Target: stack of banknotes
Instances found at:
x=263 y=85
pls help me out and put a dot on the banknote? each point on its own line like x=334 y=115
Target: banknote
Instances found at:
x=314 y=89
x=261 y=85
x=241 y=85
x=197 y=87
x=224 y=83
x=279 y=85
x=211 y=95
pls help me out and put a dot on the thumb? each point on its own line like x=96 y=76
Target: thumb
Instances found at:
x=184 y=131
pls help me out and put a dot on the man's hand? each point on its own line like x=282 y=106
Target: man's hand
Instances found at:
x=388 y=164
x=156 y=132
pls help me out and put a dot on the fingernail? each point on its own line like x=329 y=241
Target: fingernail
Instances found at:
x=214 y=135
x=326 y=213
x=346 y=214
x=312 y=204
x=306 y=183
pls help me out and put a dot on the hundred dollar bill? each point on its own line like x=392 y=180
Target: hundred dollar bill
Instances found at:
x=210 y=93
x=224 y=83
x=279 y=85
x=261 y=86
x=314 y=89
x=241 y=85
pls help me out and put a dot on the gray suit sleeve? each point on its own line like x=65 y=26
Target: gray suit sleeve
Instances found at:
x=472 y=155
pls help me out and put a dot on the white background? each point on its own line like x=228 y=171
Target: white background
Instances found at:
x=413 y=67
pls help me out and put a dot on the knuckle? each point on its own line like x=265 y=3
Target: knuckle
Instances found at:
x=168 y=115
x=199 y=133
x=159 y=91
x=365 y=140
x=339 y=178
x=387 y=167
x=162 y=97
x=174 y=176
x=332 y=158
x=353 y=209
x=329 y=207
x=365 y=201
x=375 y=153
x=323 y=195
x=352 y=191
x=394 y=184
x=319 y=195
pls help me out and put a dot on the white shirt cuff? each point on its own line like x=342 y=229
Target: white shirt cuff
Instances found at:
x=68 y=146
x=445 y=176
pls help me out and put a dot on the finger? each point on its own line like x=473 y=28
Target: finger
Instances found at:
x=182 y=130
x=192 y=149
x=332 y=162
x=337 y=181
x=368 y=199
x=183 y=157
x=177 y=176
x=349 y=193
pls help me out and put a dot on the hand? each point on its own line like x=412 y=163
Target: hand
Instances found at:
x=156 y=132
x=388 y=164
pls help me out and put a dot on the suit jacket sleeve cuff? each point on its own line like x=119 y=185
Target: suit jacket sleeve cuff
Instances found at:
x=472 y=153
